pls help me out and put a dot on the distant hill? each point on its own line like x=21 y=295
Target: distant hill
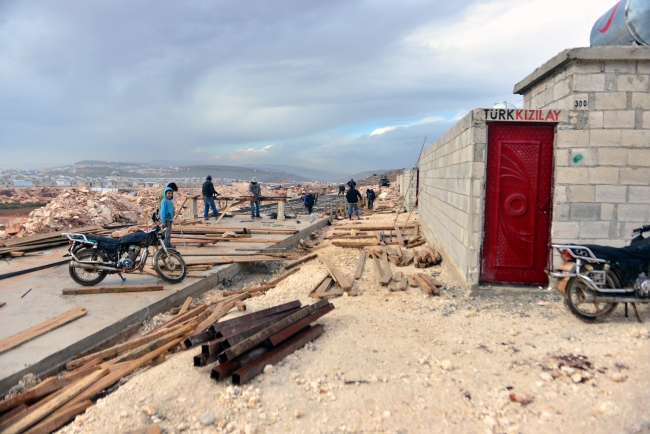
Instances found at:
x=98 y=168
x=361 y=175
x=305 y=172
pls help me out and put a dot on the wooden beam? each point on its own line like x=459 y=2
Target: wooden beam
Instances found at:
x=66 y=395
x=327 y=294
x=279 y=279
x=59 y=418
x=41 y=328
x=301 y=261
x=336 y=274
x=112 y=289
x=388 y=275
x=398 y=233
x=359 y=270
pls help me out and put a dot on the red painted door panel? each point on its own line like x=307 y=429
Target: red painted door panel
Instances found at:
x=517 y=203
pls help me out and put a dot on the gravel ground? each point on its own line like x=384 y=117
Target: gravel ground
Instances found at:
x=406 y=363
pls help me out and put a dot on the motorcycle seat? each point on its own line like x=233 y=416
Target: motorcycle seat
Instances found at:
x=135 y=237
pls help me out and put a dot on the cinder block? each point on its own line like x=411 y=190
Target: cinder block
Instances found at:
x=581 y=193
x=645 y=119
x=612 y=157
x=639 y=195
x=643 y=67
x=618 y=119
x=582 y=157
x=565 y=230
x=611 y=193
x=560 y=194
x=621 y=66
x=603 y=175
x=561 y=212
x=595 y=120
x=632 y=83
x=585 y=211
x=572 y=138
x=639 y=157
x=610 y=100
x=594 y=229
x=636 y=138
x=561 y=89
x=589 y=83
x=607 y=211
x=572 y=175
x=603 y=137
x=641 y=100
x=633 y=213
x=562 y=157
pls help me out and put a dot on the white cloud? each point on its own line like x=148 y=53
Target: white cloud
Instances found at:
x=383 y=130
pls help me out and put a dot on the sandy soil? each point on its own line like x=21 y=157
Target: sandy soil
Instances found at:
x=407 y=363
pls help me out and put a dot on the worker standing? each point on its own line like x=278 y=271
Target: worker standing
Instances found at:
x=370 y=195
x=209 y=193
x=353 y=196
x=255 y=191
x=351 y=183
x=309 y=199
x=341 y=190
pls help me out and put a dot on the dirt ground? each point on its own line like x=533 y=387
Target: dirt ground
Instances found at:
x=403 y=363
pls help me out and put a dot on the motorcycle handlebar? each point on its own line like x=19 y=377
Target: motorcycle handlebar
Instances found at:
x=642 y=229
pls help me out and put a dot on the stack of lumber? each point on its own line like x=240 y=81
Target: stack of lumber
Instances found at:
x=57 y=400
x=243 y=346
x=420 y=258
x=334 y=285
x=42 y=241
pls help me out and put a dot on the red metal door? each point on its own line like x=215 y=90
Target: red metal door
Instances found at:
x=517 y=203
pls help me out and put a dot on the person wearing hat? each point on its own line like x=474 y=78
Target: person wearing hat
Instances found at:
x=171 y=185
x=209 y=193
x=255 y=190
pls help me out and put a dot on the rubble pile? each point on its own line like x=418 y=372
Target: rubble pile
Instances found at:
x=28 y=195
x=75 y=208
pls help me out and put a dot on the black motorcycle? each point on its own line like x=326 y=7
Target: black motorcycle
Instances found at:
x=93 y=256
x=600 y=277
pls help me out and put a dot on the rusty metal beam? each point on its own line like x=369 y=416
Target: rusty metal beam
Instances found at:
x=224 y=370
x=260 y=337
x=236 y=329
x=237 y=338
x=255 y=315
x=250 y=371
x=285 y=334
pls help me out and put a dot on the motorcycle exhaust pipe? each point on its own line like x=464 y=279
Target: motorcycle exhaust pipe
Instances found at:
x=76 y=264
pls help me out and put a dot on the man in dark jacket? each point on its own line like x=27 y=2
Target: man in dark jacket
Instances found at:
x=341 y=190
x=353 y=196
x=309 y=200
x=209 y=193
x=370 y=195
x=351 y=183
x=255 y=191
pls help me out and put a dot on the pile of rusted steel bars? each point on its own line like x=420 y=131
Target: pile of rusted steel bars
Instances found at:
x=243 y=346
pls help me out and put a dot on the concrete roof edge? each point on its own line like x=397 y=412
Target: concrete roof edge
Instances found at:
x=582 y=53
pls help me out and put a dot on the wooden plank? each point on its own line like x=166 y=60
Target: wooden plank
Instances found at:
x=336 y=274
x=234 y=203
x=147 y=347
x=41 y=237
x=362 y=261
x=2 y=303
x=433 y=284
x=279 y=279
x=423 y=284
x=371 y=228
x=327 y=294
x=357 y=245
x=398 y=276
x=41 y=328
x=116 y=349
x=59 y=418
x=112 y=289
x=219 y=313
x=301 y=261
x=324 y=286
x=411 y=280
x=249 y=290
x=66 y=395
x=415 y=244
x=398 y=233
x=186 y=306
x=236 y=259
x=403 y=283
x=150 y=429
x=388 y=275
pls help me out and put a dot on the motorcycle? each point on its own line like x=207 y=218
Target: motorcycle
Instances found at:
x=93 y=257
x=600 y=277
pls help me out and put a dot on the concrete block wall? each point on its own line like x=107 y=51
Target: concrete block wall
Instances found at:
x=408 y=187
x=452 y=172
x=602 y=155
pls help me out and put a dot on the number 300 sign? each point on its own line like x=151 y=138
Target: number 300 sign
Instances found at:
x=580 y=103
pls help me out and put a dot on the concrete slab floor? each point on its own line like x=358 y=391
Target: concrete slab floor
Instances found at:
x=108 y=314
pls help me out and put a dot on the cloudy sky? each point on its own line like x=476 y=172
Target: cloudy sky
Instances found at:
x=338 y=85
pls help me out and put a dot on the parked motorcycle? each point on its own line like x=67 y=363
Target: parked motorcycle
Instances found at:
x=601 y=276
x=94 y=257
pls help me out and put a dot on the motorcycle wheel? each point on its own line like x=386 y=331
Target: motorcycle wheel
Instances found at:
x=169 y=266
x=588 y=311
x=87 y=277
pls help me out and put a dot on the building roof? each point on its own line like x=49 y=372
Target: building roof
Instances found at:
x=584 y=53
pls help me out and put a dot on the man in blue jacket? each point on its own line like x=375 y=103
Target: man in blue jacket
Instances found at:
x=167 y=215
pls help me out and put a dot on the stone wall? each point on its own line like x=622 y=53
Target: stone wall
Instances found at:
x=452 y=172
x=602 y=156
